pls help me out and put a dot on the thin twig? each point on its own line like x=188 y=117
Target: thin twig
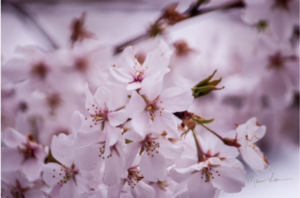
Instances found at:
x=200 y=153
x=25 y=14
x=192 y=11
x=213 y=132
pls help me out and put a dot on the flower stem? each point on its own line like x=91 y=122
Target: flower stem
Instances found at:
x=213 y=132
x=227 y=141
x=200 y=153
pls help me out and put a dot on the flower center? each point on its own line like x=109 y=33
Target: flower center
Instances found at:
x=65 y=174
x=99 y=116
x=151 y=147
x=28 y=150
x=40 y=70
x=209 y=173
x=276 y=61
x=281 y=4
x=134 y=176
x=152 y=107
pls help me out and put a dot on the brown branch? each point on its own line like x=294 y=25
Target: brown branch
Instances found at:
x=192 y=11
x=25 y=15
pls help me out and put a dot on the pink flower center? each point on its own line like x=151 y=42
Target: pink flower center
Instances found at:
x=28 y=150
x=65 y=174
x=152 y=107
x=151 y=147
x=134 y=176
x=209 y=173
x=99 y=116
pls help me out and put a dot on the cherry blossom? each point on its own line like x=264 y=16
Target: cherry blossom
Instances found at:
x=13 y=184
x=154 y=105
x=22 y=153
x=279 y=15
x=65 y=177
x=214 y=173
x=132 y=72
x=156 y=152
x=247 y=135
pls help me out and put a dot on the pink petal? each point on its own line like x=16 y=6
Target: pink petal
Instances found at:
x=51 y=174
x=114 y=167
x=142 y=190
x=102 y=97
x=168 y=150
x=166 y=122
x=32 y=169
x=34 y=193
x=134 y=86
x=176 y=99
x=232 y=176
x=89 y=102
x=254 y=158
x=117 y=117
x=198 y=188
x=153 y=166
x=128 y=60
x=13 y=138
x=11 y=159
x=141 y=122
x=89 y=158
x=156 y=61
x=76 y=121
x=112 y=134
x=121 y=74
x=151 y=86
x=63 y=148
x=132 y=150
x=85 y=139
x=136 y=105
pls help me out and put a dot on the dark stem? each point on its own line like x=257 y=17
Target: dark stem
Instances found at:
x=200 y=153
x=227 y=141
x=213 y=132
x=192 y=11
x=24 y=14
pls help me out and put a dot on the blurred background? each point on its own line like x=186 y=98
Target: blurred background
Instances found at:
x=222 y=40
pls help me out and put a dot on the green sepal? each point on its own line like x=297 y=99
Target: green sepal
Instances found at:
x=206 y=86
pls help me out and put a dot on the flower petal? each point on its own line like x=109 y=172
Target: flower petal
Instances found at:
x=89 y=158
x=102 y=97
x=142 y=190
x=166 y=122
x=117 y=117
x=13 y=138
x=232 y=176
x=136 y=105
x=156 y=61
x=121 y=74
x=63 y=148
x=176 y=99
x=254 y=158
x=114 y=166
x=32 y=168
x=141 y=122
x=153 y=166
x=198 y=188
x=11 y=159
x=151 y=87
x=76 y=121
x=133 y=86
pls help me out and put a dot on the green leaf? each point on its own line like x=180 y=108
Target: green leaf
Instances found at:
x=206 y=86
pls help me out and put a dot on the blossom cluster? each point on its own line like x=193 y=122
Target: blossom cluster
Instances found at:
x=80 y=122
x=145 y=146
